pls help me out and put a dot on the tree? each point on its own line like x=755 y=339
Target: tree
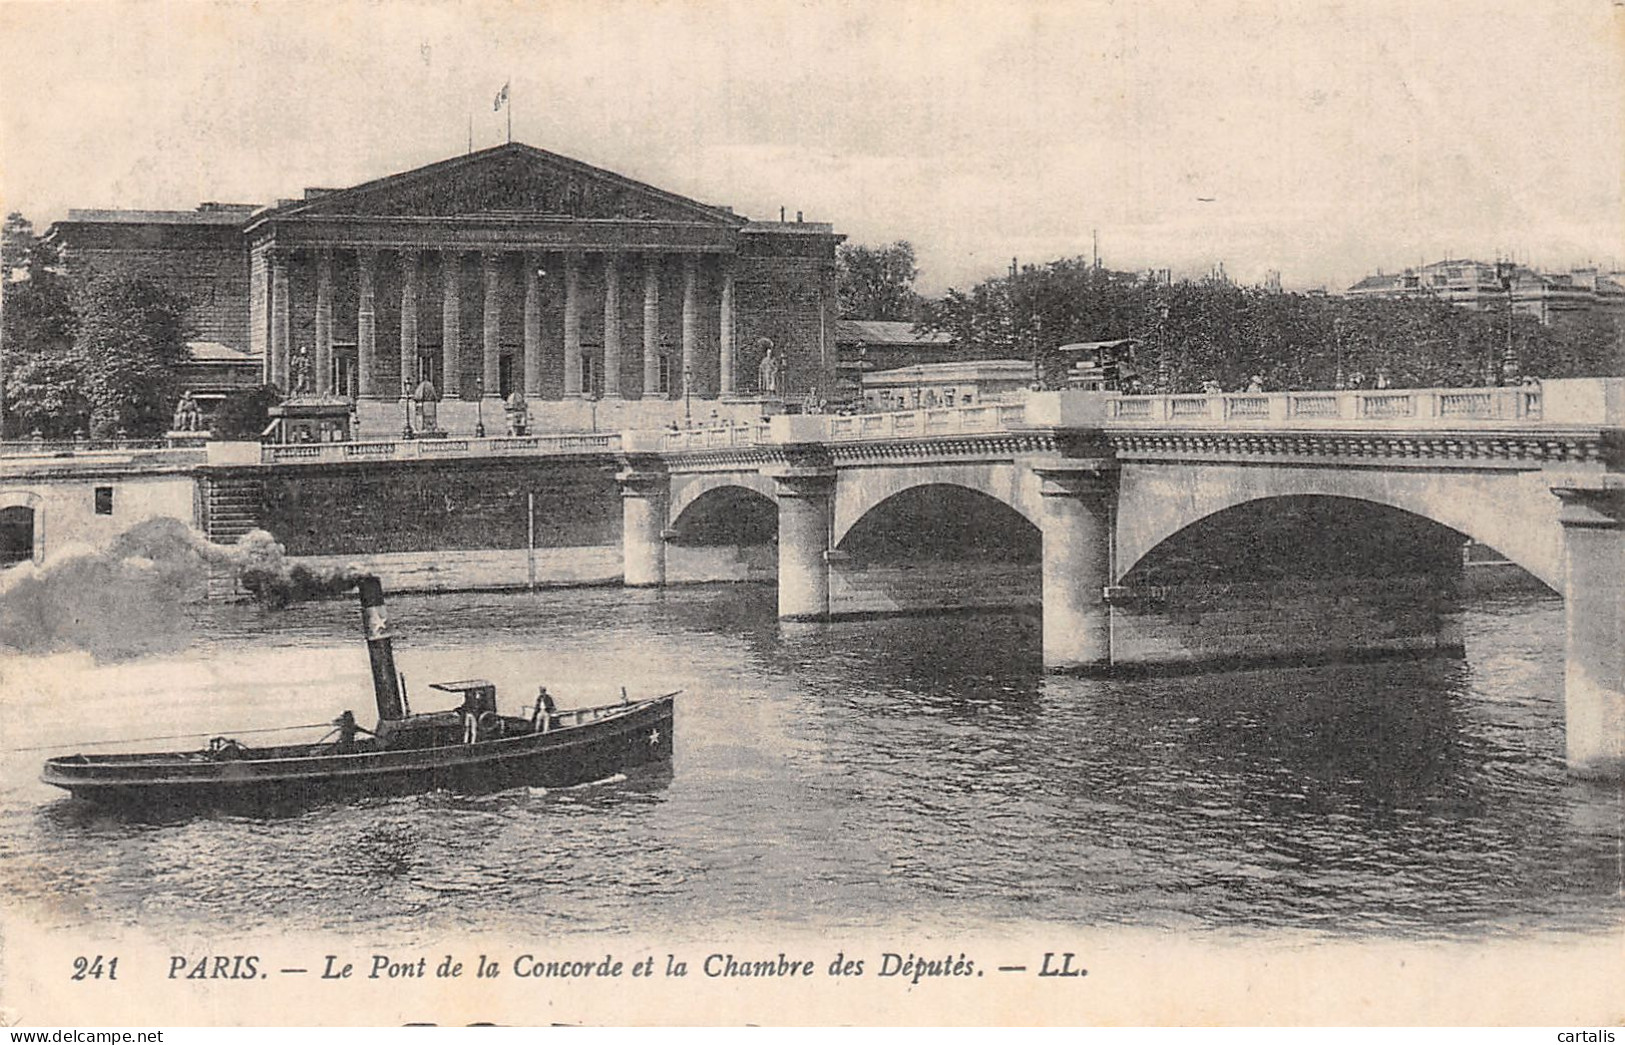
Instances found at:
x=131 y=343
x=1192 y=332
x=38 y=379
x=877 y=282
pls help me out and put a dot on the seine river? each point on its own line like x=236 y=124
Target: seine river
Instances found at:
x=914 y=770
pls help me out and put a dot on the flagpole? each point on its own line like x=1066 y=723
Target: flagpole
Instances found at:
x=471 y=133
x=510 y=113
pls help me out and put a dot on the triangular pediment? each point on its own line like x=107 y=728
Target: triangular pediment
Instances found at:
x=510 y=181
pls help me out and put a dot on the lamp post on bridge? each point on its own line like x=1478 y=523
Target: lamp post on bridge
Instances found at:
x=1038 y=343
x=1506 y=271
x=1338 y=381
x=1164 y=368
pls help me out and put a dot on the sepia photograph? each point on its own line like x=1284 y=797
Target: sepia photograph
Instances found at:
x=935 y=512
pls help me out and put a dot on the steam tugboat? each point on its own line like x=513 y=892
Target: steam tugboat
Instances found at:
x=473 y=748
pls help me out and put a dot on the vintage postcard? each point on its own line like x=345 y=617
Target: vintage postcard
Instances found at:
x=919 y=513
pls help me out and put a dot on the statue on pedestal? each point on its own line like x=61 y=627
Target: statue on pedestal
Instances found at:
x=767 y=371
x=518 y=413
x=300 y=366
x=427 y=399
x=188 y=415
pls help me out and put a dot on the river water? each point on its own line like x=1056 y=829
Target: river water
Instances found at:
x=904 y=770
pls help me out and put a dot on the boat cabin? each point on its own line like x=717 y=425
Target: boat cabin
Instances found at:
x=479 y=695
x=440 y=728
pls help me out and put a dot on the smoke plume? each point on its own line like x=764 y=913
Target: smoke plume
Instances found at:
x=129 y=599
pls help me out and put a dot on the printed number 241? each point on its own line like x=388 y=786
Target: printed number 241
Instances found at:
x=95 y=968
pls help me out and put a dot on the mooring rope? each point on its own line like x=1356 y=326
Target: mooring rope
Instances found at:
x=173 y=736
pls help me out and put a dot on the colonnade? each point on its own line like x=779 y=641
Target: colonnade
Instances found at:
x=493 y=265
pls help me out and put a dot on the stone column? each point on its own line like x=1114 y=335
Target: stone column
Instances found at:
x=645 y=495
x=691 y=321
x=651 y=325
x=572 y=325
x=411 y=273
x=726 y=329
x=533 y=324
x=1594 y=603
x=612 y=326
x=324 y=321
x=1077 y=525
x=281 y=354
x=365 y=330
x=805 y=495
x=451 y=324
x=491 y=384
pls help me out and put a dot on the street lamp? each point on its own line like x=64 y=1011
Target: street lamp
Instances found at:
x=479 y=407
x=592 y=398
x=1505 y=271
x=406 y=408
x=688 y=415
x=1164 y=377
x=1338 y=381
x=1038 y=340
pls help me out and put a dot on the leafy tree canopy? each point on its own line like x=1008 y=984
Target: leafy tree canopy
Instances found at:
x=1189 y=333
x=40 y=385
x=130 y=346
x=877 y=282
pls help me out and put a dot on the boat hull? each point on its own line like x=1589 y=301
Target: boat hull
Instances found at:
x=593 y=750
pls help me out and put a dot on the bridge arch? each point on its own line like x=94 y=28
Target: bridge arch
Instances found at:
x=22 y=529
x=1515 y=514
x=726 y=513
x=689 y=489
x=861 y=492
x=966 y=521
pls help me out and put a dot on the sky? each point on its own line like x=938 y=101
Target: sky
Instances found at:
x=1324 y=139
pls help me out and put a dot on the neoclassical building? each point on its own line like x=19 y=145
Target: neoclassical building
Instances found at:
x=603 y=301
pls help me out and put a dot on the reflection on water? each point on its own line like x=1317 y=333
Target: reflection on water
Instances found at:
x=921 y=770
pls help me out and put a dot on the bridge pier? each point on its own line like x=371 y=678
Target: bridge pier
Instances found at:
x=1077 y=527
x=644 y=498
x=805 y=511
x=1594 y=602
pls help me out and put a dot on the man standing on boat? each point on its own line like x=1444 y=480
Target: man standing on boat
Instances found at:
x=541 y=715
x=471 y=718
x=347 y=730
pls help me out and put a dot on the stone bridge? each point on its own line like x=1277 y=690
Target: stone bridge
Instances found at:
x=1536 y=472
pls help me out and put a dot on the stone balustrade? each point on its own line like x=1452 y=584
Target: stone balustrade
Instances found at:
x=1556 y=403
x=715 y=437
x=552 y=444
x=25 y=458
x=1399 y=406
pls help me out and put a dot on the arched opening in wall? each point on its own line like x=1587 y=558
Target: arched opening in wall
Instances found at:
x=937 y=547
x=1305 y=538
x=16 y=535
x=1303 y=578
x=726 y=534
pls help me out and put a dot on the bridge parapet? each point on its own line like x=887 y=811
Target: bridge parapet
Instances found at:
x=714 y=437
x=1571 y=401
x=912 y=424
x=440 y=449
x=1383 y=406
